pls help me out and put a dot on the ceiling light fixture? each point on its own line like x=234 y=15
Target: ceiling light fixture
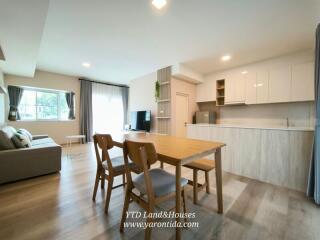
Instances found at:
x=86 y=64
x=244 y=72
x=226 y=58
x=159 y=3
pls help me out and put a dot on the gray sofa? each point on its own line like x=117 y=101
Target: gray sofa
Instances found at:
x=43 y=157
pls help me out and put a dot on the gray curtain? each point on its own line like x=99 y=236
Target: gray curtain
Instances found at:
x=313 y=190
x=15 y=95
x=86 y=109
x=125 y=101
x=70 y=103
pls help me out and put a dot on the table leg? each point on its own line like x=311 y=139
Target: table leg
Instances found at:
x=219 y=180
x=178 y=199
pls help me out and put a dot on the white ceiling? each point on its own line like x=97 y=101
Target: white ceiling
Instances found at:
x=21 y=26
x=125 y=39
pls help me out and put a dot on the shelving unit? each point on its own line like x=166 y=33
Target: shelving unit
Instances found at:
x=220 y=92
x=164 y=102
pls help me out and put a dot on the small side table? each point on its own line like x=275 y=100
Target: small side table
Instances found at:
x=69 y=141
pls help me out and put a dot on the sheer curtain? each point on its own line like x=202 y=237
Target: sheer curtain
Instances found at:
x=107 y=108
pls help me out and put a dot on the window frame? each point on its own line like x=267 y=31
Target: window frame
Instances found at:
x=45 y=90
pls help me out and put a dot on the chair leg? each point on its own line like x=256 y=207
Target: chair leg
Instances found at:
x=207 y=182
x=125 y=209
x=124 y=180
x=184 y=204
x=195 y=186
x=161 y=165
x=96 y=184
x=109 y=191
x=147 y=234
x=103 y=179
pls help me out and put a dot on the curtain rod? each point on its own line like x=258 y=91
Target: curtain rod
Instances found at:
x=105 y=83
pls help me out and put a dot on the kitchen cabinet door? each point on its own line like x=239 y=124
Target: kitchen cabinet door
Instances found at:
x=229 y=89
x=302 y=88
x=262 y=86
x=251 y=88
x=235 y=89
x=206 y=92
x=280 y=84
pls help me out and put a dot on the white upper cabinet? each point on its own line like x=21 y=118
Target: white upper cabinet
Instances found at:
x=262 y=86
x=302 y=87
x=251 y=88
x=235 y=89
x=206 y=92
x=280 y=84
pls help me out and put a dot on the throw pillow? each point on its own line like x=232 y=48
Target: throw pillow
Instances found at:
x=25 y=132
x=5 y=141
x=10 y=131
x=21 y=141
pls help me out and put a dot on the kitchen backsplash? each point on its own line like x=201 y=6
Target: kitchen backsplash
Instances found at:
x=300 y=114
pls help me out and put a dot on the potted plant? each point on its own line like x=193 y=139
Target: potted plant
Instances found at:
x=157 y=91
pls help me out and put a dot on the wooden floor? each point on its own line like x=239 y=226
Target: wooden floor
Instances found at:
x=59 y=206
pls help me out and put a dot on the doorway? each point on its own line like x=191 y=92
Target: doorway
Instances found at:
x=182 y=113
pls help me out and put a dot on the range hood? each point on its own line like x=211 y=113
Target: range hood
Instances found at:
x=1 y=55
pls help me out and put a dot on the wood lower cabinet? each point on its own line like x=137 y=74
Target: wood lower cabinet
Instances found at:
x=280 y=157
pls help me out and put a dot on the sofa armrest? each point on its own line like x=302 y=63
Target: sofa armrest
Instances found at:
x=40 y=136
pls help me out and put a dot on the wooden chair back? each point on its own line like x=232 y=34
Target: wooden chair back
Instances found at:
x=143 y=155
x=103 y=142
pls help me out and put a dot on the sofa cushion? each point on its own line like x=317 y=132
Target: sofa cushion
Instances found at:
x=25 y=132
x=5 y=141
x=42 y=141
x=21 y=141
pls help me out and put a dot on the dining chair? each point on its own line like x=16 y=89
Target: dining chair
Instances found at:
x=154 y=186
x=205 y=165
x=114 y=166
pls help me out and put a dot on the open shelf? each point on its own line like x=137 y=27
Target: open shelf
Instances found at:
x=220 y=92
x=163 y=117
x=163 y=100
x=164 y=83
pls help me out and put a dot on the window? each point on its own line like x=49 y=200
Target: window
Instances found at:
x=107 y=108
x=38 y=104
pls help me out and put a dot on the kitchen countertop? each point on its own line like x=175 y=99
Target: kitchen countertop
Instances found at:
x=283 y=128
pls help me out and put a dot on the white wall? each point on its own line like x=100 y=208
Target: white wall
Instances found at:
x=299 y=114
x=2 y=108
x=142 y=96
x=58 y=130
x=182 y=87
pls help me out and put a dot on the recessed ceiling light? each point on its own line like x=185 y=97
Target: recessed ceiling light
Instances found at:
x=244 y=72
x=86 y=64
x=159 y=3
x=226 y=58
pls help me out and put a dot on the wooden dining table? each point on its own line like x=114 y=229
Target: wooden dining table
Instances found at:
x=178 y=152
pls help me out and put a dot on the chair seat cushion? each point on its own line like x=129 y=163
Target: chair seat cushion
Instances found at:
x=201 y=164
x=118 y=164
x=163 y=182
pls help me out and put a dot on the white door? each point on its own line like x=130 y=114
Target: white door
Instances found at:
x=182 y=112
